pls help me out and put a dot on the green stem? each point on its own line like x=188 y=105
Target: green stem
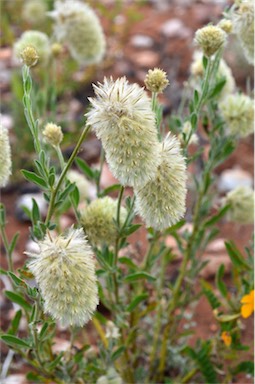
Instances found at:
x=60 y=157
x=100 y=170
x=63 y=174
x=157 y=326
x=27 y=87
x=7 y=249
x=177 y=288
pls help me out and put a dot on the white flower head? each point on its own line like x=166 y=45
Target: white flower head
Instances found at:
x=5 y=157
x=161 y=202
x=122 y=118
x=34 y=11
x=97 y=220
x=210 y=39
x=77 y=25
x=38 y=40
x=53 y=134
x=238 y=112
x=64 y=270
x=241 y=200
x=86 y=189
x=243 y=24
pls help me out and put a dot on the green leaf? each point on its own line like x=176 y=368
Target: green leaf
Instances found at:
x=55 y=362
x=75 y=196
x=2 y=215
x=193 y=120
x=35 y=212
x=118 y=352
x=127 y=261
x=138 y=276
x=34 y=178
x=136 y=301
x=219 y=283
x=14 y=242
x=214 y=219
x=245 y=366
x=236 y=256
x=16 y=280
x=205 y=62
x=196 y=97
x=15 y=323
x=208 y=292
x=227 y=318
x=217 y=88
x=131 y=229
x=84 y=167
x=14 y=341
x=16 y=298
x=112 y=188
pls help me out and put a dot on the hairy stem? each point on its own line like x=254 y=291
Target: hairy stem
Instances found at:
x=63 y=174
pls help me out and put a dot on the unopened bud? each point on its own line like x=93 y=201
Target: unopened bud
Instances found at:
x=53 y=134
x=156 y=80
x=210 y=39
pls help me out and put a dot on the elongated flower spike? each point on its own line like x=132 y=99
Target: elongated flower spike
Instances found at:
x=97 y=220
x=64 y=270
x=5 y=157
x=161 y=202
x=77 y=25
x=238 y=112
x=243 y=26
x=241 y=200
x=122 y=118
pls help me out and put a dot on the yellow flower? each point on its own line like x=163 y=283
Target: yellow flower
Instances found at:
x=247 y=305
x=227 y=339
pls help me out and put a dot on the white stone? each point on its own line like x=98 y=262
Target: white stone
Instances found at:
x=175 y=28
x=233 y=178
x=142 y=41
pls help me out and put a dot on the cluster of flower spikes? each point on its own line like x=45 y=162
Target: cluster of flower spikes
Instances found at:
x=64 y=270
x=77 y=26
x=121 y=116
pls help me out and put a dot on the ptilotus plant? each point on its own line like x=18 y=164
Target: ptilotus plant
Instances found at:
x=124 y=306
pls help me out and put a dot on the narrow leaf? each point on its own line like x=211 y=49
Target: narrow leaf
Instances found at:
x=15 y=341
x=136 y=301
x=16 y=298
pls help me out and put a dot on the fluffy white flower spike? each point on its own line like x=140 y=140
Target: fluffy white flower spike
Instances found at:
x=238 y=112
x=5 y=157
x=122 y=118
x=241 y=200
x=65 y=272
x=243 y=23
x=161 y=202
x=37 y=40
x=77 y=25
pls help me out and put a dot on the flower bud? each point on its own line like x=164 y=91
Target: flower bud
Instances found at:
x=64 y=270
x=186 y=130
x=210 y=39
x=161 y=202
x=156 y=80
x=29 y=56
x=122 y=118
x=53 y=134
x=5 y=157
x=241 y=200
x=238 y=112
x=226 y=25
x=112 y=332
x=97 y=220
x=56 y=49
